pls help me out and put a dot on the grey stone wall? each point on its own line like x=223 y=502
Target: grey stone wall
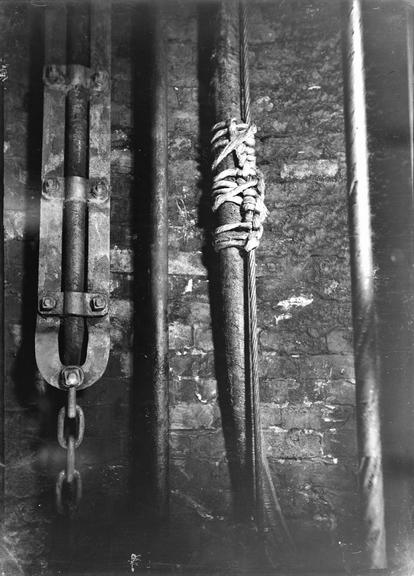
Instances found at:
x=306 y=361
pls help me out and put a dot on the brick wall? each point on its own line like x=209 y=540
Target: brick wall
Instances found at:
x=306 y=362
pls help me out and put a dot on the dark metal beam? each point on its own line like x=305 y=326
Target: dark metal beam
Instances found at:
x=362 y=272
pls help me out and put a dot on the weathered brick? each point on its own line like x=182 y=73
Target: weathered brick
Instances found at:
x=191 y=389
x=274 y=390
x=186 y=263
x=201 y=444
x=192 y=365
x=296 y=474
x=340 y=392
x=308 y=416
x=121 y=310
x=121 y=260
x=306 y=169
x=121 y=285
x=270 y=414
x=122 y=161
x=203 y=337
x=293 y=443
x=180 y=336
x=339 y=341
x=186 y=416
x=199 y=312
x=334 y=366
x=340 y=443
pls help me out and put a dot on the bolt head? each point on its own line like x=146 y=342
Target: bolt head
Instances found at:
x=47 y=303
x=98 y=303
x=100 y=81
x=54 y=75
x=100 y=191
x=51 y=186
x=72 y=376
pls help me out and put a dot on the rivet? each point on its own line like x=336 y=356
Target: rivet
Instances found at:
x=100 y=191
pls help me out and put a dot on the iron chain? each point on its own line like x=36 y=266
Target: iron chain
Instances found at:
x=70 y=431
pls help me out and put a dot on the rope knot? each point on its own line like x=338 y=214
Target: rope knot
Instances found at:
x=242 y=184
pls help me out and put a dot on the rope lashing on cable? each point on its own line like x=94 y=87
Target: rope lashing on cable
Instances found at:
x=242 y=185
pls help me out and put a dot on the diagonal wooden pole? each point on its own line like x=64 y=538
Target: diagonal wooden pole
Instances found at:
x=226 y=100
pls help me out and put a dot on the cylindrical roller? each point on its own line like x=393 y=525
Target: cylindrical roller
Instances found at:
x=76 y=165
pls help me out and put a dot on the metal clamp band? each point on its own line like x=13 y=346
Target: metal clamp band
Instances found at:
x=86 y=304
x=76 y=189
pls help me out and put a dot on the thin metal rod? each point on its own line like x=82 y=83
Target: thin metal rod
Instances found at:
x=409 y=16
x=254 y=428
x=266 y=510
x=159 y=266
x=226 y=98
x=76 y=164
x=362 y=272
x=2 y=326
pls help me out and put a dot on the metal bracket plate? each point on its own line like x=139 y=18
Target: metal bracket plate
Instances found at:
x=96 y=79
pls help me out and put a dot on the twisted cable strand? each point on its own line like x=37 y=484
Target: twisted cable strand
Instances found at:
x=244 y=186
x=266 y=500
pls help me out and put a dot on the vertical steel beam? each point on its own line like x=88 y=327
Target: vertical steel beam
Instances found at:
x=2 y=326
x=362 y=272
x=158 y=273
x=389 y=113
x=226 y=99
x=76 y=165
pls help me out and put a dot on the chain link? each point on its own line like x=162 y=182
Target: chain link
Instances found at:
x=70 y=432
x=62 y=416
x=74 y=493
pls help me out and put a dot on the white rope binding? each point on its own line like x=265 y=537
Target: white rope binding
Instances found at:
x=242 y=185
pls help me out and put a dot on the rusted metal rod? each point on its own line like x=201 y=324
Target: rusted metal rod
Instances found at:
x=226 y=98
x=158 y=333
x=76 y=173
x=362 y=272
